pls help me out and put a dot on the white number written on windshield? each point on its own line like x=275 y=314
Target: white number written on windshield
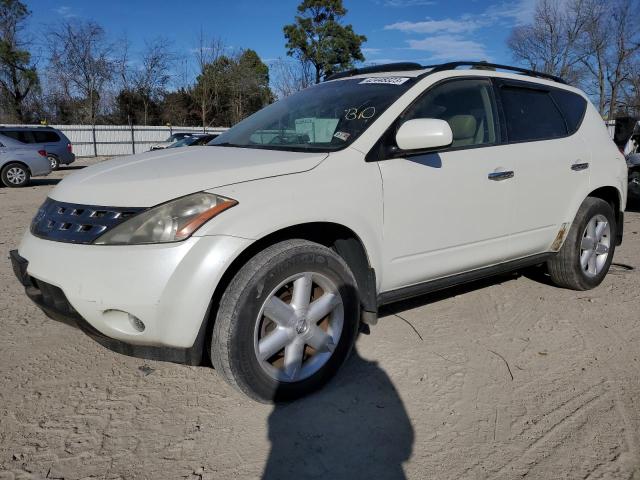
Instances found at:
x=359 y=114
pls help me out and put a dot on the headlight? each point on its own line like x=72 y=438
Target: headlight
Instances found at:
x=170 y=222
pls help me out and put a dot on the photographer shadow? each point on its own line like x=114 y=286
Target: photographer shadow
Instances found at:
x=355 y=427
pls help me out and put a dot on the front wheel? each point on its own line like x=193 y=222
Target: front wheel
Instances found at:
x=587 y=253
x=15 y=175
x=286 y=322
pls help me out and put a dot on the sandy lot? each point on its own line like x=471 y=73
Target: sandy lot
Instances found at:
x=501 y=379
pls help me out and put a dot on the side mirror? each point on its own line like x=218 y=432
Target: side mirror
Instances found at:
x=424 y=134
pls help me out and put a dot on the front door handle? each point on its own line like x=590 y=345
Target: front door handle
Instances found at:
x=576 y=167
x=499 y=176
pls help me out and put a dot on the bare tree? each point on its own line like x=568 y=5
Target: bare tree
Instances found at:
x=290 y=76
x=595 y=46
x=152 y=77
x=550 y=43
x=591 y=43
x=81 y=58
x=208 y=85
x=626 y=45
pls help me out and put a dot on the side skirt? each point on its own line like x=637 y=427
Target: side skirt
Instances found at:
x=411 y=291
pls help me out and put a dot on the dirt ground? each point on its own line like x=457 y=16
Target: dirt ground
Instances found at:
x=501 y=379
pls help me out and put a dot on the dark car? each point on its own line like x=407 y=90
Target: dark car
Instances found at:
x=57 y=145
x=172 y=140
x=194 y=141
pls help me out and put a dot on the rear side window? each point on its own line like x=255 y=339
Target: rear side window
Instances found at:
x=46 y=137
x=572 y=106
x=531 y=115
x=22 y=136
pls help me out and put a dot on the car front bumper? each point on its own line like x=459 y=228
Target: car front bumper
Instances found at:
x=101 y=288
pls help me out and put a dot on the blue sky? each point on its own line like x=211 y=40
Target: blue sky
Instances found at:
x=428 y=31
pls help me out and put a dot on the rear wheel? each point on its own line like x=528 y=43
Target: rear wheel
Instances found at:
x=585 y=258
x=286 y=322
x=15 y=175
x=55 y=164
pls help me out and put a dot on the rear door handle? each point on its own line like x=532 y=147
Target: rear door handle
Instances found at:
x=499 y=176
x=576 y=167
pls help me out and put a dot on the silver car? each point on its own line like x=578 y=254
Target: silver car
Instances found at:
x=58 y=147
x=19 y=163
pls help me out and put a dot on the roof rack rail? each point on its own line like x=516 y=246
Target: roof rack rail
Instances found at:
x=531 y=73
x=387 y=67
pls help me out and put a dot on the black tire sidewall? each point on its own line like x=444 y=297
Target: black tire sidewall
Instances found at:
x=5 y=181
x=595 y=207
x=248 y=373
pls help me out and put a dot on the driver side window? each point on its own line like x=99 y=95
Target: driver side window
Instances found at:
x=468 y=106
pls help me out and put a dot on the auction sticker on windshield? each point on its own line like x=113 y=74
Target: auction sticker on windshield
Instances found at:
x=386 y=80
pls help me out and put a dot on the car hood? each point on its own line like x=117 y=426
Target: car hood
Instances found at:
x=151 y=178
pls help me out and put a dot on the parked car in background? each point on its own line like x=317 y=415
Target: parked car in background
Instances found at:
x=195 y=140
x=173 y=138
x=18 y=163
x=58 y=147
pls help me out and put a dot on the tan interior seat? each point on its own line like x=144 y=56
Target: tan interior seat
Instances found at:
x=464 y=128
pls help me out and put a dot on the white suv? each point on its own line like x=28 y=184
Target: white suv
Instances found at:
x=266 y=249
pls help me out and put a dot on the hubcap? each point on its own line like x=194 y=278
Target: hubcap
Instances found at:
x=298 y=327
x=53 y=161
x=596 y=242
x=16 y=175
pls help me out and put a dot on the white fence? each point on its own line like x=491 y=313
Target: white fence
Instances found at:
x=110 y=140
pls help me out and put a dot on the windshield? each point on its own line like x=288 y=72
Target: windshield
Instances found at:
x=325 y=117
x=181 y=143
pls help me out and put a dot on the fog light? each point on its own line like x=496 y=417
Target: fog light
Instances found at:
x=136 y=323
x=123 y=322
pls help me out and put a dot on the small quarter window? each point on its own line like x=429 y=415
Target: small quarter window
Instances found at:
x=572 y=106
x=531 y=115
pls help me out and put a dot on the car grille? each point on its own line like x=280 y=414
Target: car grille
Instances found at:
x=73 y=223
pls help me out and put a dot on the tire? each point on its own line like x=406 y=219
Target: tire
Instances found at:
x=568 y=268
x=15 y=175
x=243 y=322
x=55 y=163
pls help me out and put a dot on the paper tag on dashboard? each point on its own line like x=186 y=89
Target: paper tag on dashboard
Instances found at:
x=386 y=80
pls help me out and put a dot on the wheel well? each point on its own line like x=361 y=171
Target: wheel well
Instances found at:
x=18 y=162
x=610 y=195
x=338 y=237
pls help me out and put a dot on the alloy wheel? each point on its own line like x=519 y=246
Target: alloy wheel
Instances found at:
x=16 y=176
x=595 y=245
x=298 y=327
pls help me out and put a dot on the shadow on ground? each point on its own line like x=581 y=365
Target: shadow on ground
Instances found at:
x=633 y=205
x=429 y=298
x=356 y=427
x=71 y=167
x=39 y=182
